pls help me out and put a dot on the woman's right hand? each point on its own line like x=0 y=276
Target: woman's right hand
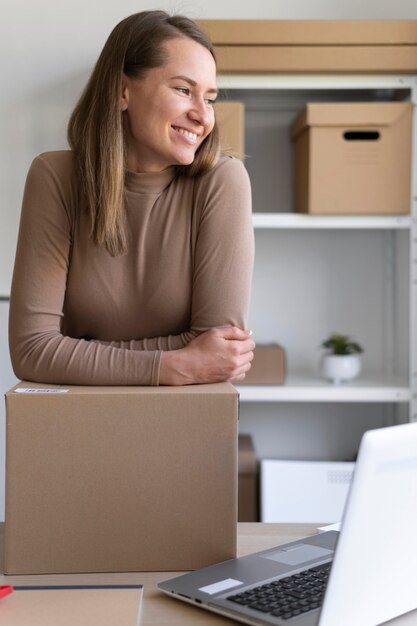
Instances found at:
x=217 y=355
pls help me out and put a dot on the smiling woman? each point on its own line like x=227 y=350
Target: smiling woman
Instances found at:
x=169 y=112
x=135 y=249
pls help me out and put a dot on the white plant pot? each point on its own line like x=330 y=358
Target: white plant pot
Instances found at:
x=341 y=368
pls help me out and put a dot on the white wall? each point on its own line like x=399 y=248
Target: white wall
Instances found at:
x=47 y=49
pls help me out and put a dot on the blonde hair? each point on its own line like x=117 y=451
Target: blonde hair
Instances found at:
x=95 y=128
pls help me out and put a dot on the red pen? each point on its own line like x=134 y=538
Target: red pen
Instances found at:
x=5 y=590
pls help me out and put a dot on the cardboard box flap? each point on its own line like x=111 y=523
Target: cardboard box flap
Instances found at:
x=357 y=114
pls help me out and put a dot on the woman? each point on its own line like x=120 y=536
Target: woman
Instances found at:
x=135 y=248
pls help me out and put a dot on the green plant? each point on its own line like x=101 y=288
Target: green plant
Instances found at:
x=341 y=345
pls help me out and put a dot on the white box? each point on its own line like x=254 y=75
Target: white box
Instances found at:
x=304 y=491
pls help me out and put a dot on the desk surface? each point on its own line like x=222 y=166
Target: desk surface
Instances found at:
x=160 y=610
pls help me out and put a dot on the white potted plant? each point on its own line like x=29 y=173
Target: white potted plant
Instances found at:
x=342 y=361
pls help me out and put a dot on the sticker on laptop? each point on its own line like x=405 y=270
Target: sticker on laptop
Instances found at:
x=222 y=585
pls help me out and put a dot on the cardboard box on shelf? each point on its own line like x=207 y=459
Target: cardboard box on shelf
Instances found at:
x=314 y=46
x=268 y=366
x=353 y=158
x=248 y=480
x=266 y=32
x=230 y=117
x=106 y=479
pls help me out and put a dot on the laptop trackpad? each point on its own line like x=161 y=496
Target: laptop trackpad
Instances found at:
x=298 y=553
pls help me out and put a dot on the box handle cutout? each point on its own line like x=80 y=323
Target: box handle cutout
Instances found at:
x=361 y=135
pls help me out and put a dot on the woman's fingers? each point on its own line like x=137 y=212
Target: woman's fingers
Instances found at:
x=240 y=339
x=217 y=355
x=240 y=374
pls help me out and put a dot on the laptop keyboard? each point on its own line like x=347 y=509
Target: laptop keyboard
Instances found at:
x=290 y=596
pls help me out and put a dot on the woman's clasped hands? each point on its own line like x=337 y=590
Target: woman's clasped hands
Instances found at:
x=216 y=355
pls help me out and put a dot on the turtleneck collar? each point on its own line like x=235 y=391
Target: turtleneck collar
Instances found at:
x=149 y=182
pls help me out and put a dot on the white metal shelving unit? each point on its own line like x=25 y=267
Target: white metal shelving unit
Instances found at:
x=309 y=222
x=305 y=388
x=378 y=386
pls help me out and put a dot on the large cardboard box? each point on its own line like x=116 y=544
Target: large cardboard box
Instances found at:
x=268 y=366
x=353 y=158
x=230 y=117
x=106 y=479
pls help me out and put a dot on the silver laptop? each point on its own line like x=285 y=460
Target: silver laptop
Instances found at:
x=369 y=578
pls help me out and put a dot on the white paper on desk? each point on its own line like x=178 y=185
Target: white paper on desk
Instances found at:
x=324 y=529
x=86 y=606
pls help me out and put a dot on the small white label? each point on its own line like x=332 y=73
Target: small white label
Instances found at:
x=222 y=585
x=30 y=390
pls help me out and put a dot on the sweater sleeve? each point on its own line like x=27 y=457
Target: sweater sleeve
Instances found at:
x=223 y=260
x=39 y=351
x=224 y=252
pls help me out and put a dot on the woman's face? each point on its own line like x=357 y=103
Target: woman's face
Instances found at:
x=169 y=112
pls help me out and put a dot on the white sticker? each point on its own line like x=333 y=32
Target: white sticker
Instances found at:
x=222 y=585
x=31 y=390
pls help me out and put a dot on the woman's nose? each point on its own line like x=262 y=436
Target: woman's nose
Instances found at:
x=200 y=112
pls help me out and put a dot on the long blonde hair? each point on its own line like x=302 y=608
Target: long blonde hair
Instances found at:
x=95 y=128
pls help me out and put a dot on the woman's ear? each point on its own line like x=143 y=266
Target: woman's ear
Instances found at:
x=124 y=98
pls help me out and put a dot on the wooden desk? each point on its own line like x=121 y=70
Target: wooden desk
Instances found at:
x=161 y=610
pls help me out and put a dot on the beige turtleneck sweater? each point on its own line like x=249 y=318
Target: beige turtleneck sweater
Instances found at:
x=80 y=316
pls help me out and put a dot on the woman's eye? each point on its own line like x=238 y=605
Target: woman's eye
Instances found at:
x=183 y=90
x=210 y=101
